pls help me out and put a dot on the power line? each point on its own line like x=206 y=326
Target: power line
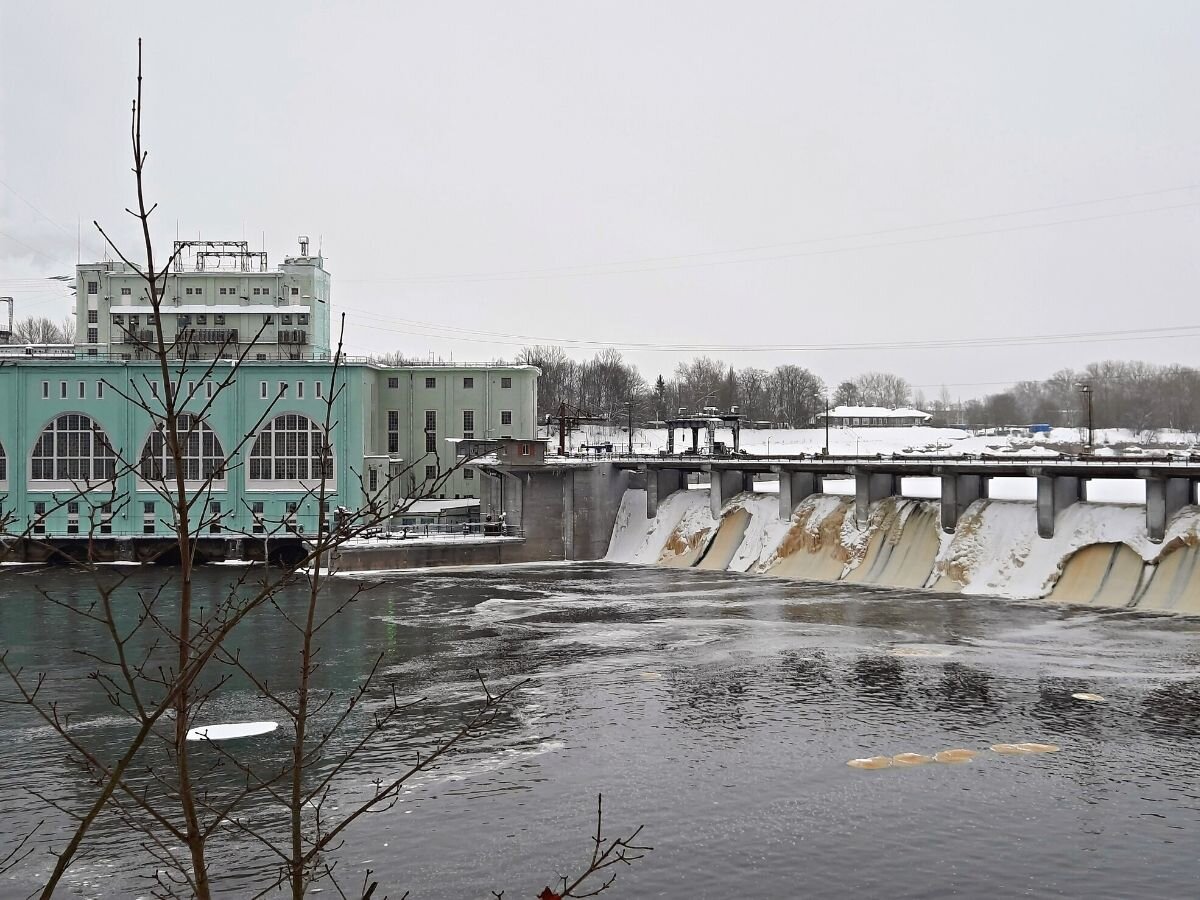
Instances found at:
x=572 y=271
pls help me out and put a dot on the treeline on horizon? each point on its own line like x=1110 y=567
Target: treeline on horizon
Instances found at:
x=1136 y=395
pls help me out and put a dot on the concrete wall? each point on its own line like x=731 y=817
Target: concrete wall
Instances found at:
x=567 y=512
x=417 y=555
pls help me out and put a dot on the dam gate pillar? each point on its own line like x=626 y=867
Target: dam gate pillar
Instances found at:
x=958 y=493
x=794 y=489
x=1164 y=498
x=1054 y=494
x=723 y=484
x=660 y=484
x=870 y=487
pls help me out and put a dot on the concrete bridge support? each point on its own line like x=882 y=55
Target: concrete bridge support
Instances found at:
x=870 y=487
x=959 y=492
x=660 y=484
x=1054 y=494
x=722 y=485
x=1164 y=498
x=794 y=489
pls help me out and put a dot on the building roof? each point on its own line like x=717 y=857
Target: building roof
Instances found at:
x=436 y=507
x=876 y=412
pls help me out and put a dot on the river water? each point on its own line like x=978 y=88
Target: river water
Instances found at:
x=717 y=710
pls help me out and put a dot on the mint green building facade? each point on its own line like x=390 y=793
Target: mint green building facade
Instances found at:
x=53 y=412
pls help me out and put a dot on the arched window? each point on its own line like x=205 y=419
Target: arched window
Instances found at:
x=203 y=456
x=3 y=464
x=72 y=448
x=290 y=447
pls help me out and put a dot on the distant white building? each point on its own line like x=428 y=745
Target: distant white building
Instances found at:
x=872 y=417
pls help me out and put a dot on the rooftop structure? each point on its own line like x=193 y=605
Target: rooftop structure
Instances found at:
x=218 y=298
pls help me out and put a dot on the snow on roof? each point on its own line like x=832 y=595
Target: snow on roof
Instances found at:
x=881 y=412
x=433 y=507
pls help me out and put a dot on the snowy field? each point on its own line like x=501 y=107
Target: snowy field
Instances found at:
x=921 y=439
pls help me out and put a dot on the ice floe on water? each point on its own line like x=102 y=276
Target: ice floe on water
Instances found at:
x=230 y=731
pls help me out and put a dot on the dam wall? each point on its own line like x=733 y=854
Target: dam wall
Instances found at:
x=1100 y=554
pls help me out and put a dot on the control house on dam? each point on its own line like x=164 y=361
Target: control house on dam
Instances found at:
x=67 y=423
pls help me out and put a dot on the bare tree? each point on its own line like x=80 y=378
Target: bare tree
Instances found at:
x=165 y=666
x=41 y=330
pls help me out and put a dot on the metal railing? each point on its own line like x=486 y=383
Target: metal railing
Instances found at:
x=448 y=530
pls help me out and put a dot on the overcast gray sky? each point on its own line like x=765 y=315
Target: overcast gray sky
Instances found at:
x=645 y=173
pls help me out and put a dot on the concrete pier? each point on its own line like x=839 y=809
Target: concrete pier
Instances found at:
x=959 y=492
x=1164 y=498
x=870 y=487
x=724 y=484
x=660 y=484
x=1054 y=494
x=794 y=488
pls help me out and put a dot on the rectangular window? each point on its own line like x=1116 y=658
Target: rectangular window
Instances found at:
x=45 y=390
x=39 y=517
x=268 y=320
x=93 y=317
x=393 y=431
x=302 y=318
x=62 y=390
x=154 y=389
x=283 y=386
x=117 y=319
x=468 y=474
x=430 y=473
x=219 y=319
x=83 y=390
x=256 y=510
x=199 y=291
x=295 y=292
x=221 y=291
x=256 y=292
x=468 y=421
x=430 y=442
x=506 y=417
x=133 y=320
x=299 y=390
x=525 y=450
x=431 y=420
x=201 y=320
x=285 y=319
x=93 y=335
x=373 y=479
x=99 y=390
x=188 y=291
x=260 y=357
x=317 y=388
x=262 y=390
x=148 y=517
x=208 y=389
x=93 y=287
x=506 y=382
x=430 y=382
x=468 y=382
x=214 y=514
x=125 y=292
x=393 y=383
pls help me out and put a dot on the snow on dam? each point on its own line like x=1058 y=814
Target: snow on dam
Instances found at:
x=1100 y=554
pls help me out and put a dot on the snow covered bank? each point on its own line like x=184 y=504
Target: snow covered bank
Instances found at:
x=1100 y=554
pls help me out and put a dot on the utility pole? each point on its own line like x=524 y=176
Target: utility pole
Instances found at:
x=826 y=424
x=629 y=408
x=1086 y=390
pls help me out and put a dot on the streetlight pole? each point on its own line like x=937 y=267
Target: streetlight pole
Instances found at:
x=826 y=424
x=1086 y=390
x=629 y=409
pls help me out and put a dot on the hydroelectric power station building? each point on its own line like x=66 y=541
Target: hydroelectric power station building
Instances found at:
x=65 y=419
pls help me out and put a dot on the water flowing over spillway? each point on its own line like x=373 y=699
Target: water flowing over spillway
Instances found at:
x=1100 y=554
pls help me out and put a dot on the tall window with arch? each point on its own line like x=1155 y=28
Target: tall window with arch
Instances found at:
x=291 y=447
x=203 y=457
x=72 y=448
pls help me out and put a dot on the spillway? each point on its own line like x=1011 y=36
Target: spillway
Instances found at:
x=1100 y=555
